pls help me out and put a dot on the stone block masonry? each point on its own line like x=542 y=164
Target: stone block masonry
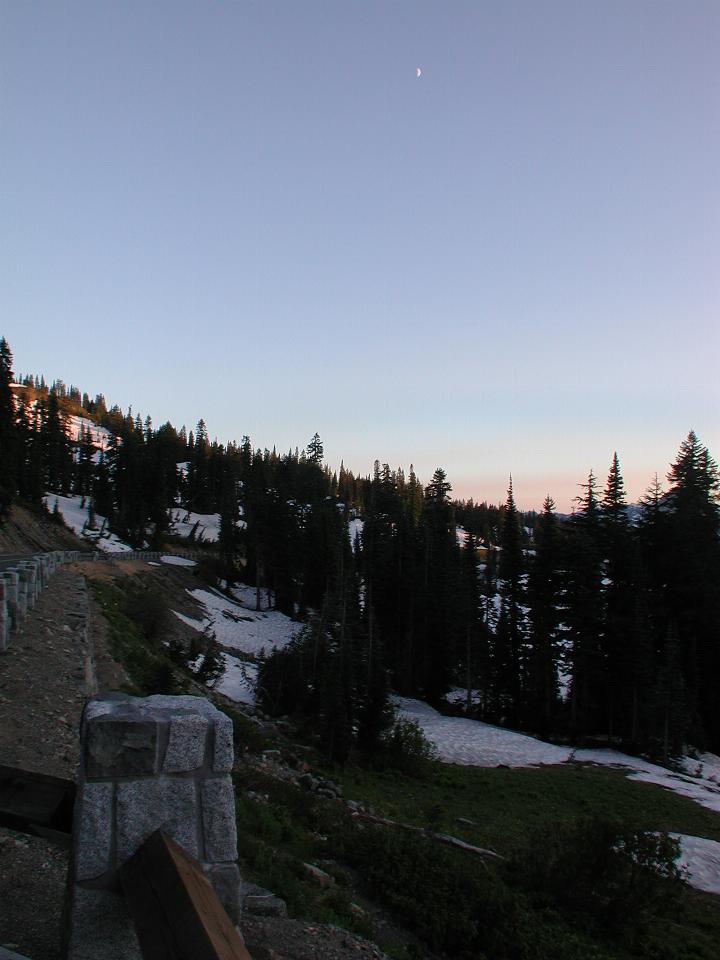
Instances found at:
x=146 y=764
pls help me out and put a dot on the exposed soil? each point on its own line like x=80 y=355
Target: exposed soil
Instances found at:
x=26 y=531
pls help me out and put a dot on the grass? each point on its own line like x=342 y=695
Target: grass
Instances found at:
x=143 y=656
x=508 y=807
x=454 y=905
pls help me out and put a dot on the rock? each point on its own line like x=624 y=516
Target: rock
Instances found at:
x=226 y=882
x=261 y=902
x=138 y=805
x=326 y=792
x=94 y=842
x=118 y=746
x=224 y=753
x=102 y=928
x=318 y=876
x=186 y=746
x=218 y=816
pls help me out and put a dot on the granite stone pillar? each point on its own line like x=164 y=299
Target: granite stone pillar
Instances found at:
x=147 y=764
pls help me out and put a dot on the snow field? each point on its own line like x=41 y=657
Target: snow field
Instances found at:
x=237 y=626
x=238 y=681
x=206 y=526
x=701 y=858
x=100 y=437
x=76 y=517
x=473 y=743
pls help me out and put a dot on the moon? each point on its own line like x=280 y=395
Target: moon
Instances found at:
x=418 y=72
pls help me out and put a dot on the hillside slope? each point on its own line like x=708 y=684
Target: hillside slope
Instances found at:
x=25 y=531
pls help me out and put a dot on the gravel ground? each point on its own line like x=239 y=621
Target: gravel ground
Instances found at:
x=44 y=681
x=293 y=940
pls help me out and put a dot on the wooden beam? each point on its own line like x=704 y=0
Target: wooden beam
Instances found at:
x=36 y=803
x=176 y=911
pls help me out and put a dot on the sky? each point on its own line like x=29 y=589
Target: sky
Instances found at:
x=257 y=213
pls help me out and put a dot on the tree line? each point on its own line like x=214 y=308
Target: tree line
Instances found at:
x=600 y=625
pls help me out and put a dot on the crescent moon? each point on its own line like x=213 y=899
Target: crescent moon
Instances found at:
x=418 y=72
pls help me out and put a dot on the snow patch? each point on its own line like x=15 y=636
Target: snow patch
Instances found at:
x=203 y=527
x=474 y=743
x=177 y=561
x=700 y=857
x=238 y=627
x=238 y=681
x=77 y=517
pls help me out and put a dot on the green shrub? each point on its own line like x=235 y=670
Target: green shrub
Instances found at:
x=144 y=658
x=620 y=879
x=405 y=747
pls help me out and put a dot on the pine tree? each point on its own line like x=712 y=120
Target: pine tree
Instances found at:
x=511 y=574
x=693 y=584
x=440 y=626
x=620 y=593
x=583 y=614
x=315 y=451
x=544 y=597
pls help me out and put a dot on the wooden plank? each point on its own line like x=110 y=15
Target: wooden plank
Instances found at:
x=32 y=801
x=177 y=913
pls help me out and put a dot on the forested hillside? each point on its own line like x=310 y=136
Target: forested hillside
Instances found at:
x=600 y=625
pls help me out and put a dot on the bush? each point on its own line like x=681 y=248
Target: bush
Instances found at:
x=405 y=747
x=147 y=608
x=458 y=906
x=618 y=878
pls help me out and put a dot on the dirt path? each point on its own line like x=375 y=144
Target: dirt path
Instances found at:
x=44 y=681
x=46 y=675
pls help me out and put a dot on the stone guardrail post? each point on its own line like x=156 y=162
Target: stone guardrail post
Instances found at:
x=11 y=596
x=33 y=569
x=27 y=583
x=158 y=762
x=4 y=618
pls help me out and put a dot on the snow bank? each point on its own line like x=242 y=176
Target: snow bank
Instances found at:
x=205 y=527
x=76 y=517
x=701 y=858
x=473 y=743
x=238 y=681
x=239 y=628
x=178 y=561
x=77 y=427
x=700 y=788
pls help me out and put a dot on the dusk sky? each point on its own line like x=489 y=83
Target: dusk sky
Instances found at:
x=258 y=213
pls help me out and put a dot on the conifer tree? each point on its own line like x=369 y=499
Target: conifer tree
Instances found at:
x=439 y=622
x=315 y=451
x=583 y=614
x=513 y=634
x=694 y=582
x=544 y=597
x=619 y=609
